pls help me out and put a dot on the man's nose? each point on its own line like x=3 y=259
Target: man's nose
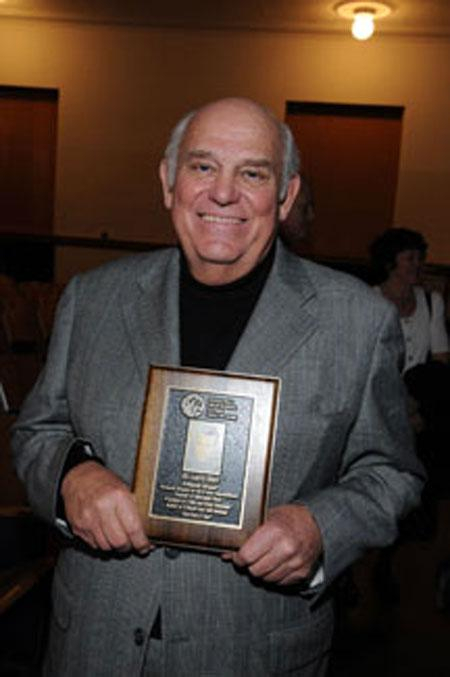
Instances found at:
x=223 y=189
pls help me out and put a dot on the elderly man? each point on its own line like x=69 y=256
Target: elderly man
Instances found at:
x=231 y=297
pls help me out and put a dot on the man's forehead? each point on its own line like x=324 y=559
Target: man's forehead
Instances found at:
x=236 y=109
x=242 y=124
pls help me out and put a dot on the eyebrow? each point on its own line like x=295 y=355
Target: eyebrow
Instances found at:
x=253 y=162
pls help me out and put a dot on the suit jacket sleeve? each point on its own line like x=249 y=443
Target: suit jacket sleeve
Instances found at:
x=380 y=477
x=43 y=433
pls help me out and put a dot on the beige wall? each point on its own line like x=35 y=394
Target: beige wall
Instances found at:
x=122 y=88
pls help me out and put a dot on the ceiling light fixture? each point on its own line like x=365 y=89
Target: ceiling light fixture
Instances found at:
x=363 y=15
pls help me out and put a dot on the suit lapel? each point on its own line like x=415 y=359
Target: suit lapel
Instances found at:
x=284 y=318
x=150 y=312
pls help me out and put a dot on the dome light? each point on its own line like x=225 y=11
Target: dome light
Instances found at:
x=363 y=25
x=362 y=15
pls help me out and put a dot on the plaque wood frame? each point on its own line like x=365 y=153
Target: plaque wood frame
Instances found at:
x=204 y=458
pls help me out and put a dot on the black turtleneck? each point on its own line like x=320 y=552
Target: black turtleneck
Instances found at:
x=212 y=318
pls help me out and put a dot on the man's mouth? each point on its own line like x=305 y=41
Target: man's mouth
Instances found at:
x=226 y=220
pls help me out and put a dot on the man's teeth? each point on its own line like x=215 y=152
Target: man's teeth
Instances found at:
x=213 y=218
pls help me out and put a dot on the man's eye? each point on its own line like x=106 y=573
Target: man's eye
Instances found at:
x=255 y=175
x=201 y=167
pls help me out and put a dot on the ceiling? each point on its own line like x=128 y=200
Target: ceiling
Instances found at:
x=410 y=17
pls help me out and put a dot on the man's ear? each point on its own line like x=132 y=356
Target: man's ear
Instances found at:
x=167 y=190
x=292 y=191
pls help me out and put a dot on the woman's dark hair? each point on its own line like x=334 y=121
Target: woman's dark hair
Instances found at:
x=385 y=248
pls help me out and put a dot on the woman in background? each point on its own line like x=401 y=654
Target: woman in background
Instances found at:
x=397 y=256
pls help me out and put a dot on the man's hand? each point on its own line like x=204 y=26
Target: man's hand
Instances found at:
x=101 y=509
x=284 y=549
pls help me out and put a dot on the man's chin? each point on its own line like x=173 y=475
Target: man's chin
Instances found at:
x=219 y=258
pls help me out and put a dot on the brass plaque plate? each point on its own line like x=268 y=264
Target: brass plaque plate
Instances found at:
x=203 y=464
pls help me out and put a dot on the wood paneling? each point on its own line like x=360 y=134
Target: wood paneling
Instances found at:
x=350 y=157
x=28 y=119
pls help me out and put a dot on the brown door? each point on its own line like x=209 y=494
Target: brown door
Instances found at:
x=28 y=119
x=350 y=157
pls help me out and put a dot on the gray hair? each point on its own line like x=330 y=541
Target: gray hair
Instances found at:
x=291 y=157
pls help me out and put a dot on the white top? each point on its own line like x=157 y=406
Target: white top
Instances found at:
x=421 y=332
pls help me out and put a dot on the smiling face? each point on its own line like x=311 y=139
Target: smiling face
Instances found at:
x=224 y=202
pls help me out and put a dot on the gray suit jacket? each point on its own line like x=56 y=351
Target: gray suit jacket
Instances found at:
x=343 y=448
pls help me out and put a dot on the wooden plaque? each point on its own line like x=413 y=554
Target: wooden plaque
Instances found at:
x=204 y=458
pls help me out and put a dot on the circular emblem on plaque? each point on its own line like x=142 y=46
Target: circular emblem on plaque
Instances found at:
x=193 y=405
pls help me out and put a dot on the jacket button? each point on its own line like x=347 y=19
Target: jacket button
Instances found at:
x=171 y=553
x=139 y=637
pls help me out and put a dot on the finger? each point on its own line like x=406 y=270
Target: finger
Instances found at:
x=95 y=539
x=280 y=573
x=282 y=559
x=99 y=526
x=109 y=526
x=84 y=526
x=115 y=535
x=292 y=579
x=267 y=567
x=257 y=546
x=101 y=541
x=85 y=536
x=131 y=523
x=227 y=556
x=105 y=527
